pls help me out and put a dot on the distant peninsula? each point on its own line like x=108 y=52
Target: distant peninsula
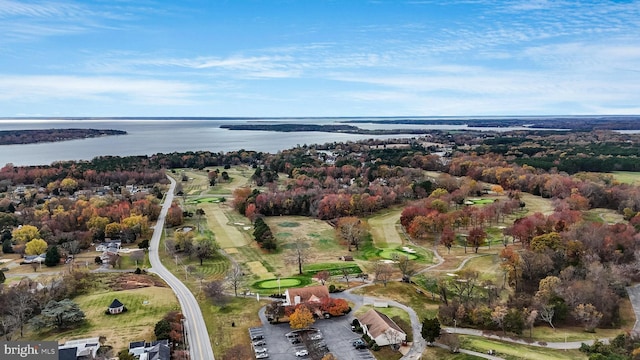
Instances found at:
x=346 y=129
x=14 y=137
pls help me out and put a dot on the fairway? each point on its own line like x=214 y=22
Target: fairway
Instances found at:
x=227 y=236
x=383 y=229
x=146 y=306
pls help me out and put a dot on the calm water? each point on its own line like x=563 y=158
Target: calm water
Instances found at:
x=147 y=137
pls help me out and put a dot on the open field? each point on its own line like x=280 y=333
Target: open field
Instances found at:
x=535 y=204
x=146 y=306
x=627 y=177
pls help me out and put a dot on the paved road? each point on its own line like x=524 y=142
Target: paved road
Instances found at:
x=197 y=334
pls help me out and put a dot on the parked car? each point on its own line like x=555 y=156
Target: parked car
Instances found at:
x=259 y=343
x=303 y=352
x=295 y=340
x=260 y=350
x=257 y=337
x=262 y=356
x=359 y=344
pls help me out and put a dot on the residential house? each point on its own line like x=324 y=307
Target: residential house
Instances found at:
x=295 y=296
x=381 y=329
x=81 y=349
x=116 y=307
x=157 y=350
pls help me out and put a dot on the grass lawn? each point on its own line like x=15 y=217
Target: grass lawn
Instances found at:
x=511 y=351
x=627 y=177
x=241 y=311
x=534 y=204
x=406 y=294
x=135 y=324
x=442 y=354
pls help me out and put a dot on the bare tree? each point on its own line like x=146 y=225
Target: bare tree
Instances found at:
x=352 y=230
x=299 y=254
x=72 y=247
x=546 y=314
x=382 y=272
x=405 y=266
x=22 y=303
x=214 y=290
x=323 y=276
x=235 y=278
x=137 y=256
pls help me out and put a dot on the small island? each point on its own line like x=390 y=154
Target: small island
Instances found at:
x=13 y=137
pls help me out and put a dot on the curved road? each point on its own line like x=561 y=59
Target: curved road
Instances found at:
x=197 y=334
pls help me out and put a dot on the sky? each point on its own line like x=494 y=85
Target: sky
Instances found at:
x=286 y=58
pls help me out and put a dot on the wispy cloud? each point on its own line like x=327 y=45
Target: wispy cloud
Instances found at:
x=95 y=88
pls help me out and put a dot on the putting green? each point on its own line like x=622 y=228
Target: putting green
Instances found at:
x=388 y=254
x=273 y=283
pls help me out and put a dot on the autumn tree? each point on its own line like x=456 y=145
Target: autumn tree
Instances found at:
x=174 y=215
x=588 y=315
x=25 y=233
x=447 y=238
x=498 y=316
x=351 y=230
x=476 y=238
x=301 y=318
x=35 y=247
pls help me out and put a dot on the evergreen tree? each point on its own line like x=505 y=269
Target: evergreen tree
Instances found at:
x=7 y=248
x=53 y=256
x=430 y=329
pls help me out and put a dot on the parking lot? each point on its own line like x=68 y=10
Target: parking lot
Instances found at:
x=336 y=335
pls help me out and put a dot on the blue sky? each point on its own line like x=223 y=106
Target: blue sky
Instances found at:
x=318 y=58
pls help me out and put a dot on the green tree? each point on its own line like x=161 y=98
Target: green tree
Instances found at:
x=53 y=256
x=162 y=329
x=60 y=314
x=124 y=355
x=144 y=245
x=2 y=277
x=204 y=248
x=7 y=248
x=35 y=247
x=430 y=329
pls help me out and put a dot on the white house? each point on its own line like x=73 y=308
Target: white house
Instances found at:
x=381 y=329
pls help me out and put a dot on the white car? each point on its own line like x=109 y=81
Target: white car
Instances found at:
x=262 y=356
x=260 y=350
x=302 y=353
x=259 y=343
